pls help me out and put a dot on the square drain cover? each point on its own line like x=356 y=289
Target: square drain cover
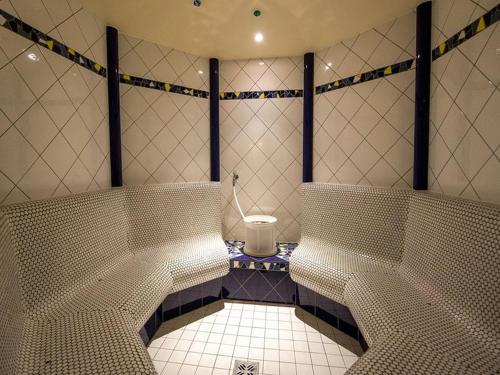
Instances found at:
x=245 y=368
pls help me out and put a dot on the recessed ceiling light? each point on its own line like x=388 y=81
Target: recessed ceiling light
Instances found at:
x=33 y=56
x=200 y=71
x=259 y=37
x=261 y=62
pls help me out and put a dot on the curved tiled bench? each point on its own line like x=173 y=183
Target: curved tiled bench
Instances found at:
x=418 y=271
x=81 y=274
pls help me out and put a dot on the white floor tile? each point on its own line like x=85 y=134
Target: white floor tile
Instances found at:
x=223 y=362
x=282 y=340
x=321 y=370
x=288 y=368
x=271 y=368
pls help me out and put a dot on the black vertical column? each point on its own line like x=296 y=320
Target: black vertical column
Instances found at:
x=422 y=96
x=307 y=132
x=214 y=121
x=115 y=143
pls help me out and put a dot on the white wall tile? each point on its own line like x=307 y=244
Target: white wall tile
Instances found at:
x=464 y=108
x=49 y=150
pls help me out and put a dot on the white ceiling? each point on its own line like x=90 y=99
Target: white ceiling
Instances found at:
x=226 y=28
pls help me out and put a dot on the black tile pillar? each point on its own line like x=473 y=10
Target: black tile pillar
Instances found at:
x=214 y=121
x=422 y=96
x=307 y=133
x=115 y=146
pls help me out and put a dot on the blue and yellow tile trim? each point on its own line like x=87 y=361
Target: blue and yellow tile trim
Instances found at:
x=367 y=76
x=162 y=86
x=278 y=262
x=23 y=29
x=232 y=95
x=467 y=32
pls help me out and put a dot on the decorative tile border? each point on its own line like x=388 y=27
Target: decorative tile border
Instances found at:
x=367 y=76
x=278 y=262
x=26 y=31
x=467 y=32
x=261 y=94
x=162 y=86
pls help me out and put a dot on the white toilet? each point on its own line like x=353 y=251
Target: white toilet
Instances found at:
x=260 y=235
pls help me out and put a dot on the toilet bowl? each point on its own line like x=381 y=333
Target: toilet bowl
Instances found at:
x=260 y=235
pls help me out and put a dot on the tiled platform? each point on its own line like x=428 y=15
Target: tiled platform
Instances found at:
x=285 y=340
x=278 y=262
x=259 y=279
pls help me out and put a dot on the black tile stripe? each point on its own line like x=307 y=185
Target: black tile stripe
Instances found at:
x=26 y=31
x=467 y=32
x=163 y=86
x=231 y=95
x=367 y=76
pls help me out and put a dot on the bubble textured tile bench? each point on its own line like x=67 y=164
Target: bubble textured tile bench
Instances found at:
x=82 y=275
x=415 y=268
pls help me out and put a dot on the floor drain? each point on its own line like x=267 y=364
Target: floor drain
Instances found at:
x=245 y=368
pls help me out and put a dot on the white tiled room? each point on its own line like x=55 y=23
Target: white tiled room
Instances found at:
x=249 y=187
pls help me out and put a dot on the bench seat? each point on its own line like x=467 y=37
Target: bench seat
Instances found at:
x=133 y=286
x=385 y=303
x=326 y=269
x=84 y=342
x=401 y=354
x=417 y=270
x=81 y=275
x=187 y=264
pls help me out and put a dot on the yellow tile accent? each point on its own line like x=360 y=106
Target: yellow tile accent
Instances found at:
x=97 y=67
x=167 y=87
x=237 y=94
x=50 y=44
x=221 y=95
x=71 y=51
x=357 y=77
x=442 y=47
x=336 y=84
x=481 y=25
x=262 y=96
x=388 y=71
x=126 y=77
x=191 y=92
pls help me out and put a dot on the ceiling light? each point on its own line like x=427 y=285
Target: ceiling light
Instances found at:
x=200 y=71
x=33 y=56
x=261 y=62
x=259 y=37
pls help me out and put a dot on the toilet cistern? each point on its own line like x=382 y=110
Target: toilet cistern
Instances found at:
x=259 y=240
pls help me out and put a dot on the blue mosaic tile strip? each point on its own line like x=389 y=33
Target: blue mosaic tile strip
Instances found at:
x=367 y=76
x=467 y=32
x=278 y=262
x=162 y=86
x=261 y=94
x=26 y=31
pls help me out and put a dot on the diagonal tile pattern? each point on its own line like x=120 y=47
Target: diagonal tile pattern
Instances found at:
x=364 y=134
x=261 y=139
x=165 y=136
x=53 y=112
x=282 y=339
x=465 y=102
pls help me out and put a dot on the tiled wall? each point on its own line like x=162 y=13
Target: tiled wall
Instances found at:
x=53 y=112
x=465 y=105
x=165 y=136
x=363 y=134
x=261 y=139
